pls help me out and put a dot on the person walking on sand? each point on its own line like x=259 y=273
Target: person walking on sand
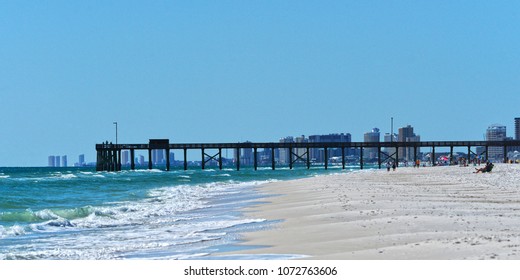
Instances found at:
x=387 y=166
x=393 y=166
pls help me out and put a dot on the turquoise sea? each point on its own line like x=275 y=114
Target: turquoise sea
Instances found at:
x=78 y=213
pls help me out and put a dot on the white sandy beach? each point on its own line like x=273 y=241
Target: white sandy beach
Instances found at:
x=424 y=213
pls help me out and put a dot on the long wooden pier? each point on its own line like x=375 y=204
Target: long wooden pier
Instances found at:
x=109 y=155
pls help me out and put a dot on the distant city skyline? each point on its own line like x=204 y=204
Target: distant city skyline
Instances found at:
x=494 y=132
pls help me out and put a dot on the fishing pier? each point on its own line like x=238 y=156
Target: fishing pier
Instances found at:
x=109 y=155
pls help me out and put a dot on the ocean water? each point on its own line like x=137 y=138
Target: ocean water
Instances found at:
x=78 y=213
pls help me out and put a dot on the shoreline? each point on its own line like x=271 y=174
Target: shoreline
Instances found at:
x=412 y=213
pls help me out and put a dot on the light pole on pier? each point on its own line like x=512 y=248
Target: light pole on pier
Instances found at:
x=392 y=129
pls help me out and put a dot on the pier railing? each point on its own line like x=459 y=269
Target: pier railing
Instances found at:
x=109 y=155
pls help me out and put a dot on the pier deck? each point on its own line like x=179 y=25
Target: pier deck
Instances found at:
x=109 y=155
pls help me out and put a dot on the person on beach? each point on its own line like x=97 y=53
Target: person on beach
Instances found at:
x=393 y=166
x=388 y=166
x=487 y=168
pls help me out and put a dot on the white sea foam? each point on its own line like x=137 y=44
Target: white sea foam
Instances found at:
x=46 y=214
x=146 y=171
x=212 y=225
x=172 y=222
x=222 y=175
x=161 y=202
x=14 y=230
x=68 y=176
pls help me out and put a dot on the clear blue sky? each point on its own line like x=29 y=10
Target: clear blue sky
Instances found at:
x=229 y=71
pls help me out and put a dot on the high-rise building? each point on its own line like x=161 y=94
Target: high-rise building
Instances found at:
x=247 y=156
x=81 y=160
x=57 y=161
x=318 y=155
x=236 y=155
x=265 y=156
x=512 y=149
x=52 y=161
x=64 y=161
x=301 y=151
x=141 y=160
x=285 y=156
x=409 y=150
x=334 y=137
x=372 y=137
x=517 y=128
x=390 y=138
x=496 y=132
x=125 y=158
x=158 y=156
x=406 y=134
